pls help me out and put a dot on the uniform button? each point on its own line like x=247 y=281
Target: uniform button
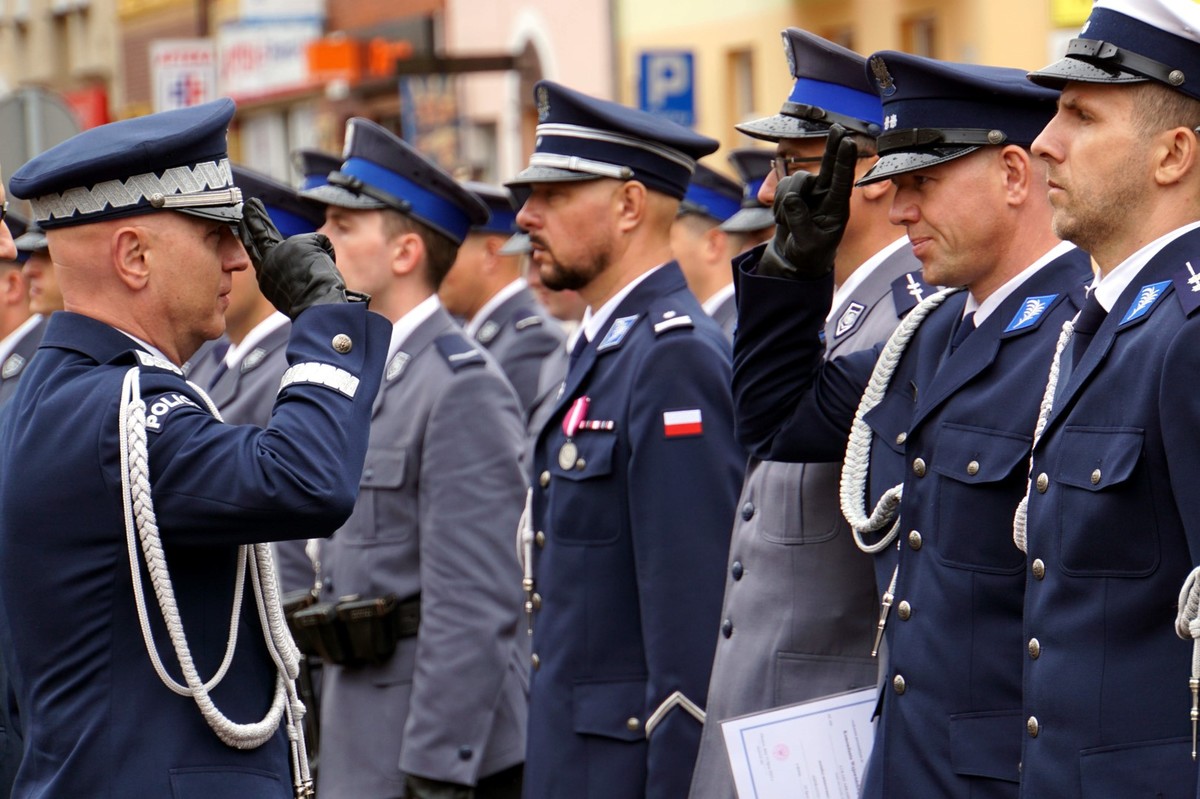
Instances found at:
x=973 y=468
x=1039 y=568
x=904 y=611
x=727 y=628
x=465 y=752
x=1033 y=727
x=919 y=467
x=368 y=473
x=898 y=684
x=1035 y=648
x=632 y=724
x=901 y=438
x=342 y=343
x=748 y=511
x=536 y=599
x=544 y=478
x=736 y=570
x=1043 y=482
x=535 y=660
x=539 y=538
x=580 y=465
x=914 y=539
x=1096 y=477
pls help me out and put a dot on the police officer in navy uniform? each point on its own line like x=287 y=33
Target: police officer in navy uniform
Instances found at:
x=112 y=700
x=1113 y=524
x=442 y=715
x=950 y=421
x=635 y=473
x=754 y=219
x=798 y=614
x=703 y=249
x=485 y=288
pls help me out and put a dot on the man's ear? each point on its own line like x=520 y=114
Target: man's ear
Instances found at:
x=408 y=253
x=130 y=250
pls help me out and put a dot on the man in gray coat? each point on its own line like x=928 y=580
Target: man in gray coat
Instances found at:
x=800 y=608
x=428 y=700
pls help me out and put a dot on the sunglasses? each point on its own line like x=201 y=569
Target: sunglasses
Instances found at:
x=786 y=165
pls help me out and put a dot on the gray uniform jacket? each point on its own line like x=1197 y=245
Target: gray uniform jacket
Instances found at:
x=246 y=394
x=14 y=365
x=725 y=315
x=800 y=606
x=439 y=500
x=520 y=335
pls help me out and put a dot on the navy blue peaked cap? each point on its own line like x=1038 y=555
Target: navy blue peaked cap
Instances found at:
x=31 y=240
x=315 y=167
x=936 y=111
x=382 y=167
x=711 y=194
x=752 y=165
x=16 y=225
x=290 y=212
x=1133 y=41
x=501 y=207
x=585 y=138
x=174 y=160
x=829 y=87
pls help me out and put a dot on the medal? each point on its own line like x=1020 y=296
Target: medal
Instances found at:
x=569 y=452
x=567 y=455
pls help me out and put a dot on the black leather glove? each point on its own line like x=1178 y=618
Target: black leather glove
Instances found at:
x=295 y=273
x=422 y=788
x=811 y=212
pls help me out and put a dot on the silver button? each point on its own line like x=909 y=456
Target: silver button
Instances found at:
x=535 y=660
x=1039 y=568
x=901 y=438
x=342 y=343
x=1043 y=482
x=544 y=478
x=1035 y=648
x=904 y=611
x=973 y=468
x=1096 y=477
x=899 y=685
x=919 y=467
x=539 y=538
x=914 y=540
x=1033 y=727
x=632 y=724
x=536 y=600
x=580 y=465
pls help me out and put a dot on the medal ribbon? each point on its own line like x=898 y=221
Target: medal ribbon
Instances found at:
x=575 y=416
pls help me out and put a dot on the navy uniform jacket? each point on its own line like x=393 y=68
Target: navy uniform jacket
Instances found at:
x=245 y=394
x=1110 y=540
x=440 y=497
x=633 y=536
x=957 y=430
x=14 y=365
x=97 y=720
x=520 y=336
x=799 y=595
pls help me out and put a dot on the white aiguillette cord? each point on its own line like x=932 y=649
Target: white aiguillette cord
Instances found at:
x=141 y=525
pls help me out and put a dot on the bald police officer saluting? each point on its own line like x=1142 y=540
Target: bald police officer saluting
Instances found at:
x=140 y=218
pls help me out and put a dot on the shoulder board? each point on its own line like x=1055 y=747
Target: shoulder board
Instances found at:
x=616 y=333
x=457 y=351
x=672 y=320
x=1146 y=300
x=12 y=366
x=1031 y=313
x=148 y=361
x=908 y=290
x=526 y=319
x=1187 y=288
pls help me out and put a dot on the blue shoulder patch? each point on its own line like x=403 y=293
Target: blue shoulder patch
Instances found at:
x=1031 y=310
x=1147 y=297
x=457 y=351
x=1187 y=288
x=908 y=290
x=616 y=333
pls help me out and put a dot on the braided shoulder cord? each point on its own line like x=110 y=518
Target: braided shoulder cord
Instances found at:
x=141 y=525
x=856 y=466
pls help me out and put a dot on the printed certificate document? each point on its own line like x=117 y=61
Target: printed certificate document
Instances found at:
x=812 y=750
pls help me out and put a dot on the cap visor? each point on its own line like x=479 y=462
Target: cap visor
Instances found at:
x=1060 y=72
x=783 y=127
x=548 y=174
x=216 y=213
x=30 y=242
x=518 y=244
x=748 y=220
x=342 y=198
x=890 y=165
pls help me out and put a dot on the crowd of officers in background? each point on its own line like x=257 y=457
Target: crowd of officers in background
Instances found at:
x=655 y=448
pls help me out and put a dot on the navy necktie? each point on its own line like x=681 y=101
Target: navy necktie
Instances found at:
x=580 y=345
x=964 y=329
x=1086 y=325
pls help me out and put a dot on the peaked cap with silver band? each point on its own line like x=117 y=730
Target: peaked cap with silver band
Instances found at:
x=379 y=165
x=936 y=111
x=315 y=167
x=501 y=207
x=585 y=138
x=711 y=194
x=1133 y=41
x=291 y=213
x=174 y=160
x=829 y=88
x=752 y=164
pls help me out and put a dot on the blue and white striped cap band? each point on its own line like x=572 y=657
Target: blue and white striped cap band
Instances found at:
x=366 y=178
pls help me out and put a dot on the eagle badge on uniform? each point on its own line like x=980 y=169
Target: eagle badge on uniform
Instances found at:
x=1147 y=296
x=12 y=366
x=487 y=332
x=253 y=359
x=543 y=103
x=884 y=81
x=1030 y=311
x=847 y=321
x=396 y=366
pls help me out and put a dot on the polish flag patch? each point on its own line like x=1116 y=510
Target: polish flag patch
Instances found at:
x=682 y=423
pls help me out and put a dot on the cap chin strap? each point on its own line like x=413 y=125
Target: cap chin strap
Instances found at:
x=1108 y=56
x=141 y=525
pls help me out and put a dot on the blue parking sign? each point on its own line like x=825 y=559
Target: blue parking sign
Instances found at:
x=667 y=86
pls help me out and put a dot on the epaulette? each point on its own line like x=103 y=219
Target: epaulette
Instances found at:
x=671 y=320
x=908 y=290
x=526 y=318
x=457 y=351
x=1187 y=288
